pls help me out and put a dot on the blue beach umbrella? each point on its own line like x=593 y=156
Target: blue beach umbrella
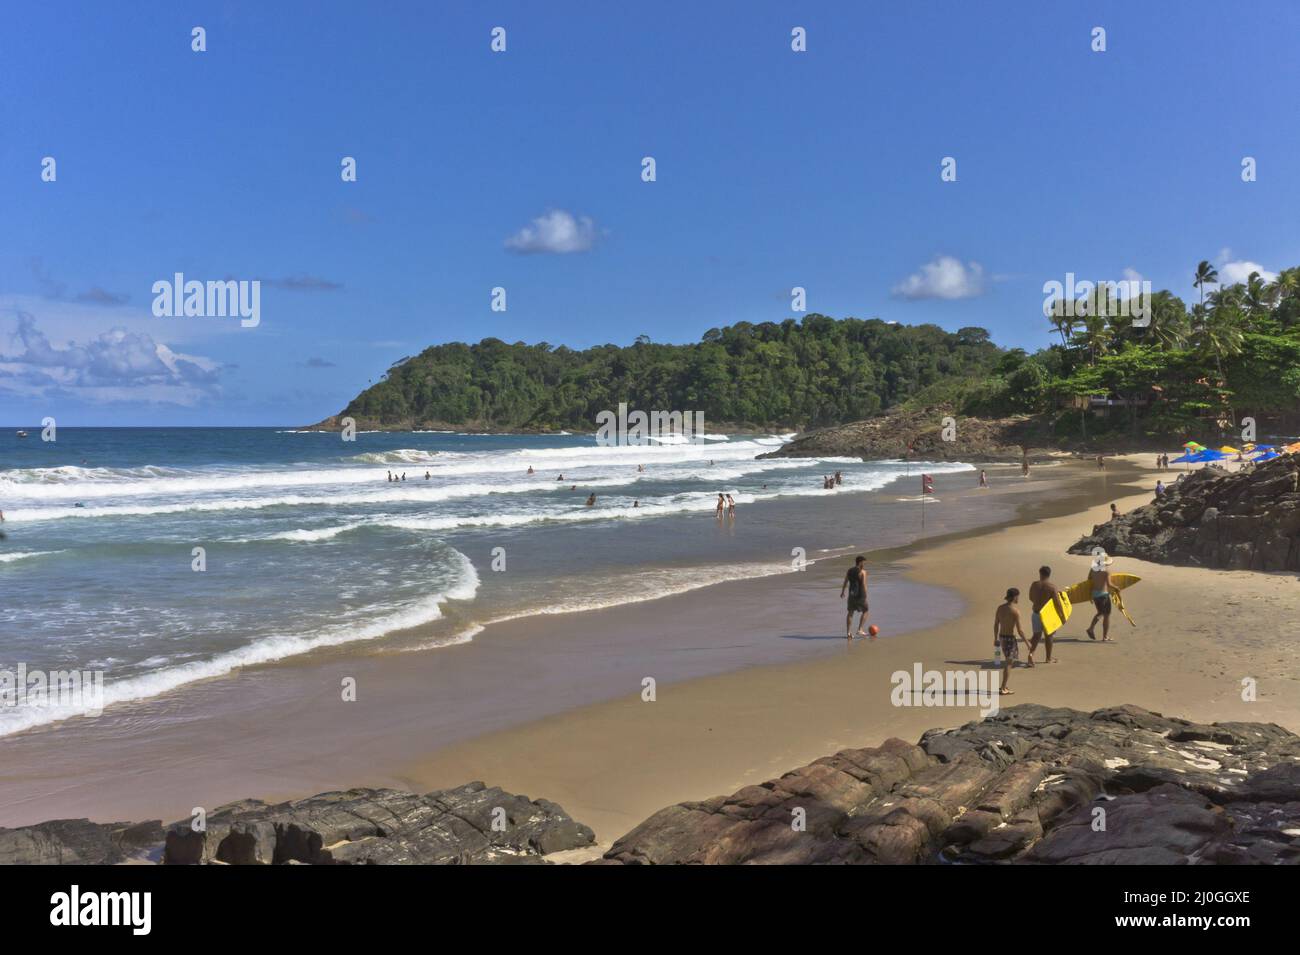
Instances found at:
x=1268 y=456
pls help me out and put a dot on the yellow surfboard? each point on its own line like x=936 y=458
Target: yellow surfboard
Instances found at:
x=1052 y=621
x=1082 y=592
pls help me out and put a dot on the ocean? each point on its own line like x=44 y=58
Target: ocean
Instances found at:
x=307 y=548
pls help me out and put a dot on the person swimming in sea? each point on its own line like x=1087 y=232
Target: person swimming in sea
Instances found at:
x=426 y=475
x=591 y=501
x=530 y=469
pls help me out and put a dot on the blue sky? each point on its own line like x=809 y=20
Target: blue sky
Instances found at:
x=775 y=169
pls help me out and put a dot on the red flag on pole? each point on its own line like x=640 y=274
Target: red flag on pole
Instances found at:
x=927 y=484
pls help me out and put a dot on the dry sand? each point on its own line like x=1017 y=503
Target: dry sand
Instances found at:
x=1200 y=633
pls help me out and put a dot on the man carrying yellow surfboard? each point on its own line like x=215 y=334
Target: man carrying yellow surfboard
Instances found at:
x=1042 y=592
x=1099 y=584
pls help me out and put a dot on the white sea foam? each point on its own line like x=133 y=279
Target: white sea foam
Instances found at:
x=265 y=649
x=24 y=555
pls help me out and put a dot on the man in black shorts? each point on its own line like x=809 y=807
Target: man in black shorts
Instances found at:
x=855 y=583
x=1099 y=581
x=1006 y=629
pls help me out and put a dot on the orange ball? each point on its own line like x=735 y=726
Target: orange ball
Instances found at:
x=873 y=630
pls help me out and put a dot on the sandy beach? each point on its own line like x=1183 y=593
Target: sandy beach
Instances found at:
x=753 y=678
x=1199 y=634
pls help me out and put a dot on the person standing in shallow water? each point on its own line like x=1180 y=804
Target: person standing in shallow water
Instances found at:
x=855 y=583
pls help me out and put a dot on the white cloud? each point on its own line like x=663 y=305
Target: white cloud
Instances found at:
x=557 y=232
x=1230 y=273
x=117 y=365
x=945 y=277
x=1132 y=275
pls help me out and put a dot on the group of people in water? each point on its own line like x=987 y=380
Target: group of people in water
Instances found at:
x=832 y=482
x=393 y=478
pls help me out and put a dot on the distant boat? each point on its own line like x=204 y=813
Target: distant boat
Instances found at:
x=22 y=434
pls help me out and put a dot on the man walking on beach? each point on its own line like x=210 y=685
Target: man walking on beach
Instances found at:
x=1041 y=592
x=1006 y=627
x=855 y=582
x=1099 y=581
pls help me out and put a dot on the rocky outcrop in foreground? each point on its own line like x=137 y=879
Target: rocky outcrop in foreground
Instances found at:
x=889 y=436
x=1024 y=786
x=1246 y=520
x=473 y=824
x=1029 y=785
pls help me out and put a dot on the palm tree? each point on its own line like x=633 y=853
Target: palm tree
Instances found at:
x=1062 y=323
x=1096 y=335
x=1284 y=290
x=1168 y=328
x=1205 y=274
x=1285 y=285
x=1257 y=297
x=1219 y=335
x=1227 y=296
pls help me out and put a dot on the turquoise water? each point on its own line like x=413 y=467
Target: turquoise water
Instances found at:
x=308 y=547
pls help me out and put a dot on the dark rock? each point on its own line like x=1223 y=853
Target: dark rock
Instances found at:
x=1246 y=520
x=79 y=842
x=375 y=826
x=1032 y=784
x=381 y=826
x=896 y=433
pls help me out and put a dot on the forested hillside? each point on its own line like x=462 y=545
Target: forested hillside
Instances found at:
x=1190 y=370
x=796 y=374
